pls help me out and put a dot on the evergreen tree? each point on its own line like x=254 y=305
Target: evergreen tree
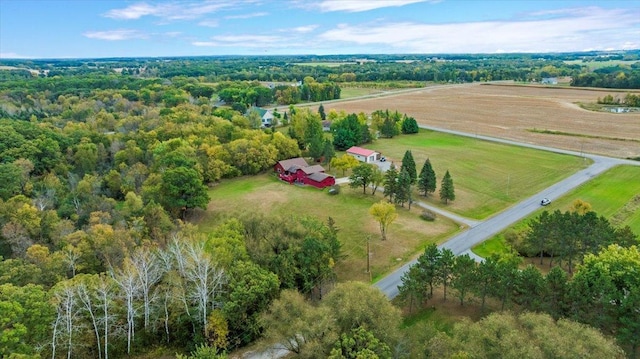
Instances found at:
x=390 y=182
x=409 y=165
x=389 y=128
x=329 y=152
x=427 y=179
x=447 y=193
x=409 y=125
x=403 y=189
x=323 y=115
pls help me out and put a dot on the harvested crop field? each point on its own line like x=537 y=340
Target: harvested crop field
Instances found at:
x=518 y=113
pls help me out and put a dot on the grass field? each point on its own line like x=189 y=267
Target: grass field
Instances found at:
x=614 y=194
x=488 y=177
x=407 y=236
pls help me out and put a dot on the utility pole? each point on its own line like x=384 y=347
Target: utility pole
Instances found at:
x=368 y=257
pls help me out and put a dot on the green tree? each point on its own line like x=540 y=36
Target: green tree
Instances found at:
x=384 y=213
x=529 y=289
x=10 y=179
x=412 y=288
x=528 y=335
x=25 y=318
x=360 y=343
x=447 y=192
x=328 y=152
x=299 y=326
x=428 y=264
x=607 y=290
x=403 y=189
x=409 y=164
x=391 y=183
x=323 y=115
x=361 y=176
x=445 y=268
x=349 y=131
x=556 y=292
x=389 y=128
x=427 y=179
x=250 y=291
x=409 y=125
x=356 y=304
x=464 y=277
x=182 y=189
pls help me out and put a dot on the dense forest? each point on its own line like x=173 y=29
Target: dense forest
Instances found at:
x=103 y=162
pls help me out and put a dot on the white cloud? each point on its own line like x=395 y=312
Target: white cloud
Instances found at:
x=361 y=5
x=303 y=29
x=116 y=35
x=209 y=23
x=574 y=30
x=168 y=11
x=247 y=16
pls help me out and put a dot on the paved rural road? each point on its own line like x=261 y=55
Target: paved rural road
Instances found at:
x=484 y=230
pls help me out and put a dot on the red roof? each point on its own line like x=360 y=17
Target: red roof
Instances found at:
x=361 y=151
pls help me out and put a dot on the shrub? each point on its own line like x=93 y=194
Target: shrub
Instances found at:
x=428 y=215
x=334 y=190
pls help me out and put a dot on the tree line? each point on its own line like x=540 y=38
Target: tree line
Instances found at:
x=602 y=291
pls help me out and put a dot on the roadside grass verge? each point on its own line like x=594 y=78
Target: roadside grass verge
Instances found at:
x=407 y=236
x=488 y=177
x=614 y=194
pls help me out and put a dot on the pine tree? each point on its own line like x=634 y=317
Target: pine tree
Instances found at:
x=447 y=192
x=427 y=179
x=390 y=182
x=323 y=115
x=403 y=189
x=329 y=152
x=409 y=165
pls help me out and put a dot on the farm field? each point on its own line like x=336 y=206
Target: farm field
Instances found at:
x=488 y=177
x=407 y=236
x=512 y=111
x=614 y=194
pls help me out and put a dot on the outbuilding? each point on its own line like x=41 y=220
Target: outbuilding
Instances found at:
x=363 y=154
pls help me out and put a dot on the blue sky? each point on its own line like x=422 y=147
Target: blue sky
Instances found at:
x=103 y=28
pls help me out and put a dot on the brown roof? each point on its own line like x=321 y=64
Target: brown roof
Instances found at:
x=313 y=169
x=298 y=161
x=318 y=176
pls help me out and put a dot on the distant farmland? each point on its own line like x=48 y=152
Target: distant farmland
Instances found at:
x=548 y=116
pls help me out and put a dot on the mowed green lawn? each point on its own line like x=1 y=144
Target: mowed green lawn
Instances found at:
x=407 y=236
x=614 y=194
x=488 y=177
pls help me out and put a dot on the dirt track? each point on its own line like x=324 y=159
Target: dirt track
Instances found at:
x=508 y=111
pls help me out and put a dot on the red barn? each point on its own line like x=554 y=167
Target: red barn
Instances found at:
x=298 y=170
